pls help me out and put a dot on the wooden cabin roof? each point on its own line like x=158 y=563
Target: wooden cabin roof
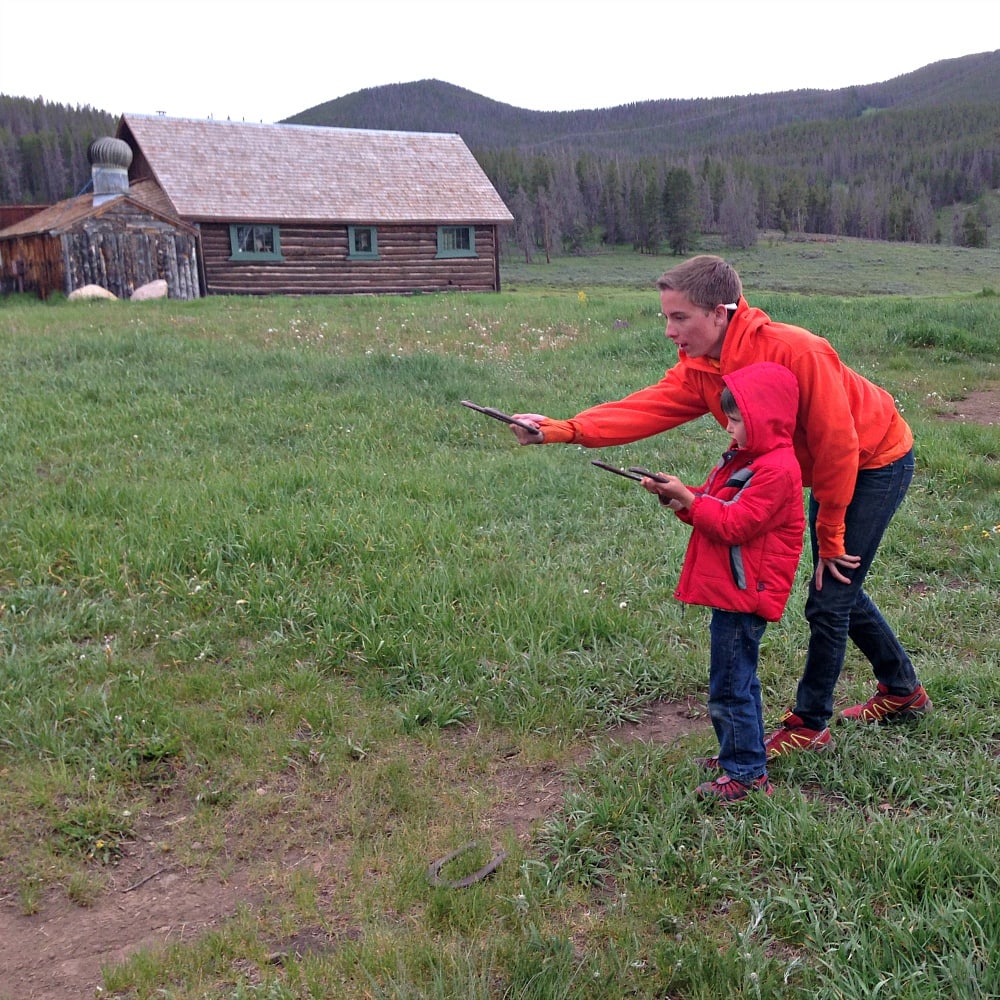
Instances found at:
x=64 y=215
x=222 y=171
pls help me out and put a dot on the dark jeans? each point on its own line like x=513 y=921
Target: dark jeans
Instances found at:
x=734 y=694
x=842 y=611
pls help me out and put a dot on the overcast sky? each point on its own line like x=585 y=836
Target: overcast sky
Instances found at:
x=264 y=60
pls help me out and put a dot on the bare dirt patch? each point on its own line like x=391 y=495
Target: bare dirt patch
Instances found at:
x=57 y=953
x=982 y=406
x=153 y=902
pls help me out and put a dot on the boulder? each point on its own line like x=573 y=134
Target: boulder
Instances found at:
x=91 y=292
x=151 y=290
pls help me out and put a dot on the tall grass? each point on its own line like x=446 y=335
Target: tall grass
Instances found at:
x=259 y=543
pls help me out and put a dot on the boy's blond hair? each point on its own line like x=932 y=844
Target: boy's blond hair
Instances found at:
x=708 y=281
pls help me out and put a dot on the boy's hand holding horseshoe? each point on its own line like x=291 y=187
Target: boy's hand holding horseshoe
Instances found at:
x=671 y=491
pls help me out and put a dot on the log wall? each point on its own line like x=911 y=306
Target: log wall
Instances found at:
x=118 y=253
x=316 y=263
x=122 y=257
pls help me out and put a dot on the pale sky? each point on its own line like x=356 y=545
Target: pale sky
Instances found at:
x=264 y=60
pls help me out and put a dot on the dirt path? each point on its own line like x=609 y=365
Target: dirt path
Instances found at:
x=57 y=953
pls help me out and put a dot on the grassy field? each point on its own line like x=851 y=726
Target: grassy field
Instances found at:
x=808 y=265
x=278 y=614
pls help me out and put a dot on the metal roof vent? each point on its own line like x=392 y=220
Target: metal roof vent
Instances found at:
x=109 y=159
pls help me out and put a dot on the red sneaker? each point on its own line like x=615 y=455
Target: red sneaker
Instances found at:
x=792 y=736
x=885 y=707
x=726 y=789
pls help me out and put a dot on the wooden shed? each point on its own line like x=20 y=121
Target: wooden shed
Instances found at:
x=115 y=237
x=292 y=209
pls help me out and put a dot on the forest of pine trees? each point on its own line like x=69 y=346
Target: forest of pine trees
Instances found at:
x=43 y=149
x=887 y=175
x=900 y=176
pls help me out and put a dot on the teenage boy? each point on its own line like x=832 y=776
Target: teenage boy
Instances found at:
x=854 y=449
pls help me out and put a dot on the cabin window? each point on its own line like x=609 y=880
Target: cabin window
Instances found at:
x=362 y=242
x=456 y=241
x=253 y=242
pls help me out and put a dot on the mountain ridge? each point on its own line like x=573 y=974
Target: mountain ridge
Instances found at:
x=485 y=124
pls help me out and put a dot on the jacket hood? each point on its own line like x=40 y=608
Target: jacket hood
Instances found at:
x=768 y=397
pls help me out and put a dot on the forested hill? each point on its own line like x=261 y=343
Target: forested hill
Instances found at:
x=915 y=158
x=652 y=128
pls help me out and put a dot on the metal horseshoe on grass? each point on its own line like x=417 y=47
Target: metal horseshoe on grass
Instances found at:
x=434 y=871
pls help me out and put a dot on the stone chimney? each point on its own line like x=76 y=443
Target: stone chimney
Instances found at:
x=109 y=162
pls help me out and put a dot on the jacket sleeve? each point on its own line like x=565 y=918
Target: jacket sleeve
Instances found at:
x=685 y=514
x=831 y=437
x=677 y=398
x=759 y=507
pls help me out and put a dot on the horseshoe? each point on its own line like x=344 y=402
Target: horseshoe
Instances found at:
x=434 y=871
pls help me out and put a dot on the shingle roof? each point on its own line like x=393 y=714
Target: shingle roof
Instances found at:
x=223 y=170
x=64 y=215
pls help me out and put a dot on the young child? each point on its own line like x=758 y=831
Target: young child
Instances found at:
x=747 y=530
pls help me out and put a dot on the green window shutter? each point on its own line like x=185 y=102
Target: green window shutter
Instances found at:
x=251 y=241
x=456 y=241
x=362 y=243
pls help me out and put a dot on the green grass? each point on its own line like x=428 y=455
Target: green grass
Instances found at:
x=258 y=563
x=810 y=265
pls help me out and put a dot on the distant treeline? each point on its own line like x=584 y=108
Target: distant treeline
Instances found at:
x=887 y=176
x=43 y=149
x=915 y=159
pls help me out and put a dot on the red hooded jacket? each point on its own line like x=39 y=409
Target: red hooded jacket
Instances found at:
x=748 y=519
x=845 y=423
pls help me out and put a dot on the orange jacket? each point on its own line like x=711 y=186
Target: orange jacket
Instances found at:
x=845 y=423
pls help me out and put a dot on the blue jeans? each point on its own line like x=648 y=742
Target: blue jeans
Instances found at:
x=842 y=611
x=734 y=694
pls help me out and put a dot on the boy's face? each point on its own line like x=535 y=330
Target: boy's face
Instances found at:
x=696 y=331
x=736 y=429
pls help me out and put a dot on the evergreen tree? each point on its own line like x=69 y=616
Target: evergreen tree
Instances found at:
x=737 y=213
x=11 y=186
x=612 y=215
x=645 y=207
x=972 y=232
x=680 y=209
x=792 y=204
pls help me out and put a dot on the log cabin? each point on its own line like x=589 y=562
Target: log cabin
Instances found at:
x=117 y=237
x=298 y=210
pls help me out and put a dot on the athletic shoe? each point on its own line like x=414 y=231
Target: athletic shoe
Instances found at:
x=708 y=763
x=793 y=736
x=726 y=789
x=885 y=707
